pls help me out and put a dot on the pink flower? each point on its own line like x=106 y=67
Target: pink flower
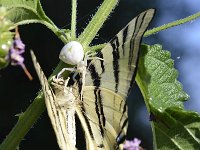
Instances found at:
x=132 y=144
x=15 y=54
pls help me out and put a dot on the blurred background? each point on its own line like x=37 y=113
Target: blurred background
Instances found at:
x=17 y=92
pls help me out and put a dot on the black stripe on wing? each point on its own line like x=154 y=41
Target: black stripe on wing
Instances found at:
x=87 y=122
x=125 y=33
x=115 y=46
x=142 y=21
x=98 y=98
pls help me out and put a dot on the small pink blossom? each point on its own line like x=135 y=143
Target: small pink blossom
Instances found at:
x=15 y=53
x=132 y=144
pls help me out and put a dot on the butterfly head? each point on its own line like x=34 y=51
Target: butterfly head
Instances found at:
x=58 y=83
x=72 y=53
x=64 y=94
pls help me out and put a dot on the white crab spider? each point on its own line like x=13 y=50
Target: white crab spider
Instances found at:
x=73 y=53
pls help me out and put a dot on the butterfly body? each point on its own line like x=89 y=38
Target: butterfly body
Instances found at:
x=64 y=94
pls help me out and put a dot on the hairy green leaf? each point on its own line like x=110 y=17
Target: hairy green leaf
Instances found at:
x=158 y=78
x=26 y=11
x=173 y=127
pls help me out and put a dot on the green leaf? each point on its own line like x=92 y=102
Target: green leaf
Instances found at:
x=173 y=127
x=26 y=11
x=176 y=129
x=29 y=11
x=157 y=78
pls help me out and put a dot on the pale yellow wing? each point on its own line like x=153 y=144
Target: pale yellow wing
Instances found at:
x=56 y=114
x=107 y=122
x=109 y=81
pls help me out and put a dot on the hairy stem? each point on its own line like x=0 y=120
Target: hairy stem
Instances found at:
x=96 y=23
x=73 y=19
x=172 y=24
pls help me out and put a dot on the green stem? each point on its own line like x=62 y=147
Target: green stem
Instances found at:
x=73 y=19
x=172 y=24
x=96 y=23
x=53 y=28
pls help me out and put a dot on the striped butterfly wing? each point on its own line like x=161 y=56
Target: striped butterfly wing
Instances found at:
x=103 y=122
x=57 y=114
x=109 y=81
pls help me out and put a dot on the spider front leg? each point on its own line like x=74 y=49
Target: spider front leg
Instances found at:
x=91 y=56
x=66 y=82
x=65 y=69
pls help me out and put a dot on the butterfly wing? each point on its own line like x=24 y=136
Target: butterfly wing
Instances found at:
x=105 y=122
x=110 y=80
x=56 y=114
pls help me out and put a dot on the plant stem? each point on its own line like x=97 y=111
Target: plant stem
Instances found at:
x=73 y=19
x=96 y=23
x=172 y=24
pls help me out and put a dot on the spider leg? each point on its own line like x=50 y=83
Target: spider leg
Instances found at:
x=91 y=56
x=66 y=81
x=65 y=69
x=97 y=58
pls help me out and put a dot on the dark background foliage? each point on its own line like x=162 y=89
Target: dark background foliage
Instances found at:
x=17 y=92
